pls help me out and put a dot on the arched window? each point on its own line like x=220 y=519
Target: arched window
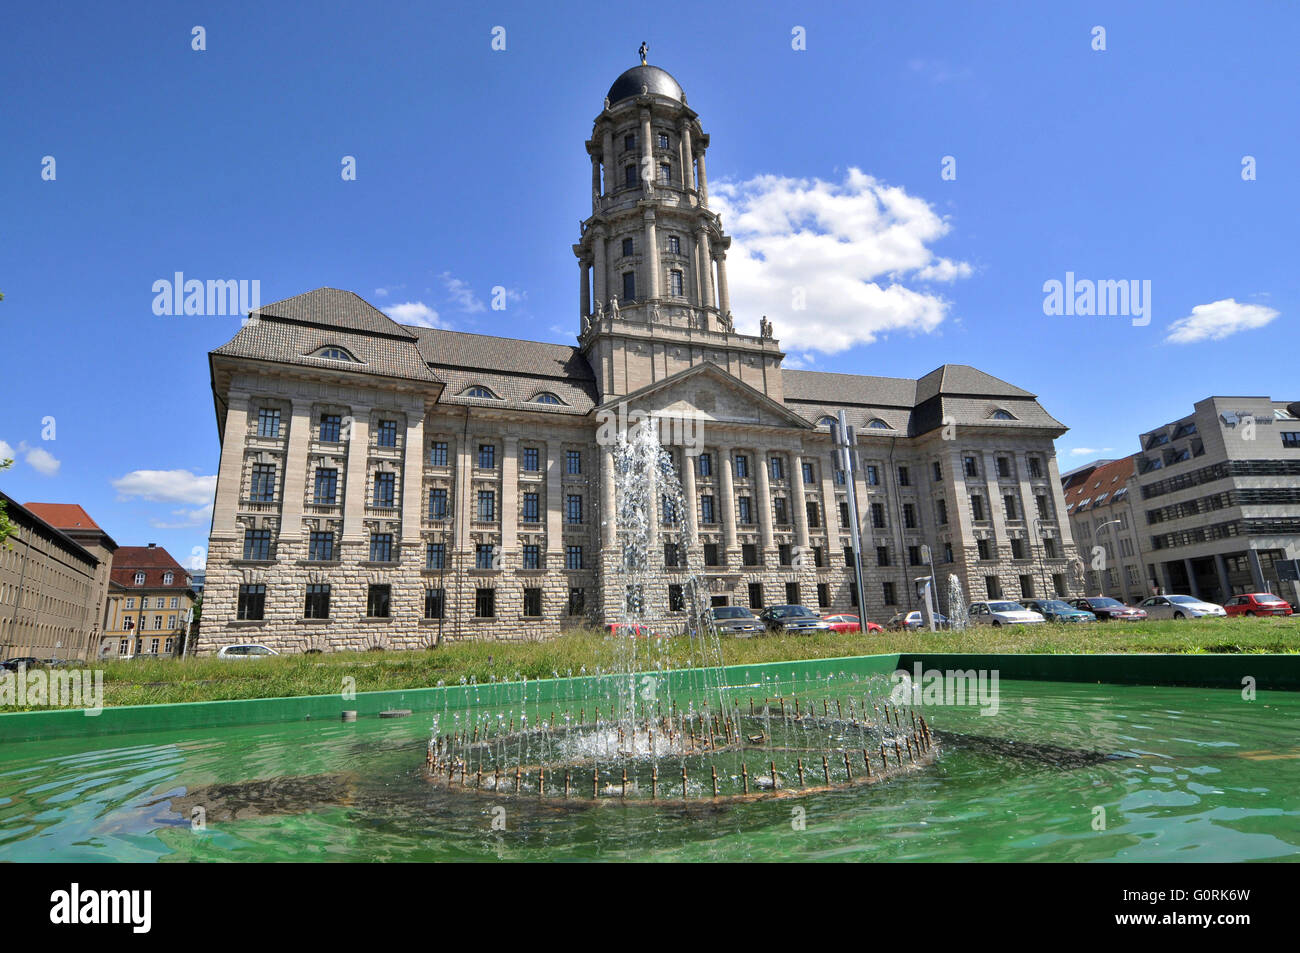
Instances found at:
x=481 y=392
x=1000 y=414
x=335 y=354
x=875 y=423
x=827 y=421
x=547 y=398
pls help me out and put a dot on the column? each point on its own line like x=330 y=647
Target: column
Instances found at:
x=1191 y=579
x=830 y=509
x=764 y=502
x=724 y=298
x=607 y=502
x=461 y=503
x=607 y=150
x=230 y=474
x=647 y=153
x=704 y=181
x=554 y=500
x=1224 y=582
x=651 y=255
x=690 y=500
x=705 y=266
x=595 y=183
x=413 y=477
x=598 y=255
x=688 y=155
x=798 y=503
x=584 y=290
x=509 y=496
x=354 y=487
x=1256 y=570
x=728 y=501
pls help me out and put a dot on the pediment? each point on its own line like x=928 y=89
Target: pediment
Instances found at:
x=714 y=394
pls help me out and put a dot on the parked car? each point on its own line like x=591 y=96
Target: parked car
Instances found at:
x=26 y=661
x=735 y=620
x=847 y=622
x=1058 y=610
x=247 y=650
x=1257 y=603
x=915 y=620
x=1107 y=609
x=1003 y=613
x=633 y=629
x=793 y=619
x=1180 y=607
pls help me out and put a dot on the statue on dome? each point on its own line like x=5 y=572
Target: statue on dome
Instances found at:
x=645 y=49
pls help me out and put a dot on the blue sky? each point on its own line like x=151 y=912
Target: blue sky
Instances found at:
x=1123 y=163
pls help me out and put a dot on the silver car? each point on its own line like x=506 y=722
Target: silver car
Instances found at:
x=1003 y=613
x=1180 y=607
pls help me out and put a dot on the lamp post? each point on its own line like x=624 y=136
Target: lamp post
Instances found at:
x=1042 y=546
x=846 y=439
x=1101 y=578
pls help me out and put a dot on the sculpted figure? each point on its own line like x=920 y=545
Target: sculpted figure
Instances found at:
x=613 y=307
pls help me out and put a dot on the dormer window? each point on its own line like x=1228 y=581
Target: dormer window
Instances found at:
x=335 y=354
x=827 y=422
x=139 y=579
x=167 y=578
x=481 y=392
x=547 y=398
x=1000 y=414
x=877 y=424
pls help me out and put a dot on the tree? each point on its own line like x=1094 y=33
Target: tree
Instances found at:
x=5 y=526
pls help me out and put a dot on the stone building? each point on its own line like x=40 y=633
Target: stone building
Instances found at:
x=149 y=601
x=52 y=583
x=1101 y=499
x=391 y=486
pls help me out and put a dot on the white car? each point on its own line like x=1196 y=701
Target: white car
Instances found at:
x=1180 y=607
x=1003 y=613
x=246 y=651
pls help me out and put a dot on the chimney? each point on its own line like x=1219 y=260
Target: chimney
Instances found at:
x=152 y=545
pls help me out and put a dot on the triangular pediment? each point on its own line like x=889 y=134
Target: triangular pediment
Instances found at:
x=710 y=391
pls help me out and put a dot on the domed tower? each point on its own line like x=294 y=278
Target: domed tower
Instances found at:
x=653 y=256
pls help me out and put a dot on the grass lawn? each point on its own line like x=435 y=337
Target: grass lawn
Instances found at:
x=143 y=682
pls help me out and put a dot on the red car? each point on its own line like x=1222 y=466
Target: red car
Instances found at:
x=1257 y=603
x=850 y=623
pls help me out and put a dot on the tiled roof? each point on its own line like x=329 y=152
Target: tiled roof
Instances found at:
x=338 y=309
x=509 y=355
x=64 y=516
x=154 y=562
x=966 y=380
x=288 y=342
x=841 y=389
x=1106 y=478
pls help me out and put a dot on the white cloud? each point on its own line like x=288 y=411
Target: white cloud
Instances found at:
x=381 y=292
x=462 y=294
x=185 y=518
x=42 y=461
x=167 y=486
x=1218 y=320
x=1090 y=451
x=7 y=452
x=415 y=312
x=846 y=247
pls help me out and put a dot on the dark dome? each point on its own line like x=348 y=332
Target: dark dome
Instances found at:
x=652 y=77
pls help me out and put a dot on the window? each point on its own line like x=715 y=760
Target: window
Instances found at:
x=1049 y=547
x=1026 y=587
x=904 y=476
x=909 y=515
x=1291 y=439
x=532 y=602
x=1018 y=549
x=130 y=603
x=268 y=422
x=175 y=601
x=438 y=503
x=379 y=601
x=1058 y=583
x=485 y=556
x=748 y=554
x=984 y=549
x=947 y=552
x=487 y=506
x=674 y=245
x=435 y=556
x=1004 y=467
x=848 y=556
x=1035 y=467
x=573 y=508
x=882 y=555
x=171 y=622
x=941 y=507
x=318 y=602
x=665 y=173
x=668 y=507
x=704 y=464
x=532 y=513
x=887 y=591
x=672 y=555
x=706 y=510
x=993 y=586
x=778 y=468
x=532 y=558
x=573 y=462
x=577 y=601
x=385 y=489
x=320 y=547
x=252 y=603
x=807 y=472
x=381 y=547
x=756 y=595
x=335 y=354
x=1001 y=414
x=840 y=478
x=914 y=555
x=167 y=578
x=481 y=392
x=971 y=466
x=663 y=140
x=878 y=515
x=263 y=490
x=814 y=513
x=629 y=175
x=792 y=593
x=386 y=435
x=435 y=603
x=742 y=467
x=873 y=475
x=327 y=486
x=877 y=424
x=573 y=557
x=1009 y=504
x=629 y=286
x=783 y=556
x=487 y=456
x=257 y=544
x=629 y=142
x=438 y=453
x=938 y=472
x=676 y=597
x=977 y=508
x=711 y=554
x=779 y=514
x=485 y=603
x=844 y=514
x=532 y=459
x=627 y=247
x=823 y=595
x=744 y=509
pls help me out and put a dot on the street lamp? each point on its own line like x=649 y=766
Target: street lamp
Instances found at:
x=846 y=439
x=1042 y=547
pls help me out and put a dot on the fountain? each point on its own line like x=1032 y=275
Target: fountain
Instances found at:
x=653 y=732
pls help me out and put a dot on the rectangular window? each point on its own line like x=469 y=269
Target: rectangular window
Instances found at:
x=629 y=175
x=573 y=462
x=175 y=602
x=532 y=556
x=676 y=287
x=663 y=141
x=938 y=472
x=320 y=547
x=531 y=512
x=971 y=466
x=330 y=427
x=665 y=173
x=744 y=509
x=577 y=601
x=573 y=557
x=878 y=515
x=435 y=556
x=487 y=506
x=268 y=422
x=947 y=552
x=1040 y=502
x=438 y=453
x=993 y=586
x=779 y=514
x=840 y=479
x=914 y=555
x=327 y=486
x=1004 y=467
x=806 y=469
x=848 y=557
x=783 y=554
x=263 y=490
x=573 y=508
x=1026 y=587
x=386 y=435
x=485 y=603
x=385 y=489
x=749 y=554
x=171 y=622
x=379 y=600
x=873 y=475
x=778 y=468
x=1009 y=504
x=942 y=507
x=318 y=602
x=487 y=456
x=674 y=245
x=887 y=591
x=438 y=503
x=742 y=467
x=909 y=515
x=1058 y=583
x=977 y=507
x=844 y=514
x=629 y=286
x=1035 y=467
x=704 y=464
x=676 y=597
x=1049 y=547
x=756 y=595
x=711 y=554
x=823 y=595
x=257 y=544
x=532 y=602
x=1291 y=439
x=252 y=603
x=435 y=603
x=484 y=556
x=532 y=460
x=706 y=510
x=983 y=547
x=627 y=247
x=882 y=555
x=381 y=547
x=672 y=555
x=1018 y=549
x=814 y=513
x=792 y=593
x=904 y=476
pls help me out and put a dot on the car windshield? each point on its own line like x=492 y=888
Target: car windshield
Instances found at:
x=797 y=611
x=1056 y=605
x=1185 y=600
x=732 y=612
x=1105 y=603
x=1006 y=607
x=1267 y=598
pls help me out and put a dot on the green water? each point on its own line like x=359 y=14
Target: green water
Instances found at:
x=1207 y=777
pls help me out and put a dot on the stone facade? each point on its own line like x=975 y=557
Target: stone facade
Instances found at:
x=385 y=462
